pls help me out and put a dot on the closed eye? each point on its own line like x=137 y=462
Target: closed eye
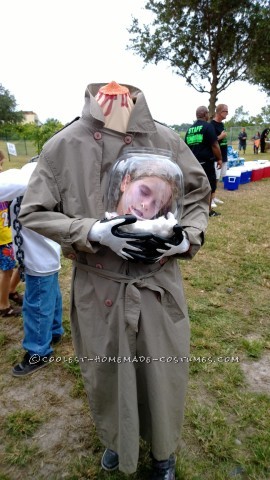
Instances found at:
x=145 y=191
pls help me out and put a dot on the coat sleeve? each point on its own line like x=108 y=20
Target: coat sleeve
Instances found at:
x=42 y=211
x=196 y=199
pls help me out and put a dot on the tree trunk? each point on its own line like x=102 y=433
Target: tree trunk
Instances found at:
x=212 y=99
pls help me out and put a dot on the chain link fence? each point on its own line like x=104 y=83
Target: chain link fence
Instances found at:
x=252 y=130
x=233 y=132
x=27 y=148
x=23 y=147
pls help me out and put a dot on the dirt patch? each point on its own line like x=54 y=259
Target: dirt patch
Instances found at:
x=257 y=374
x=64 y=434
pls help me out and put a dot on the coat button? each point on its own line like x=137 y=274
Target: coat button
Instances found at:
x=108 y=302
x=128 y=139
x=98 y=265
x=97 y=135
x=71 y=256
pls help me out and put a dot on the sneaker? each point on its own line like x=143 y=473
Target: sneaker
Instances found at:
x=218 y=201
x=214 y=214
x=16 y=297
x=110 y=460
x=11 y=312
x=213 y=204
x=56 y=339
x=30 y=364
x=164 y=469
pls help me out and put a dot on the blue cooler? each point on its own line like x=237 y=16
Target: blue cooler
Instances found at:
x=231 y=182
x=245 y=177
x=232 y=178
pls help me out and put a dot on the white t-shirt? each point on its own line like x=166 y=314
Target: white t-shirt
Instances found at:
x=41 y=254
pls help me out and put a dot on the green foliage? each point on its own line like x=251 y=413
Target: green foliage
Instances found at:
x=204 y=42
x=258 y=58
x=41 y=134
x=38 y=134
x=181 y=128
x=243 y=119
x=265 y=114
x=7 y=107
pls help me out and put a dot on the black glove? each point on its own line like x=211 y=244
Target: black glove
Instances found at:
x=156 y=247
x=127 y=220
x=153 y=248
x=148 y=251
x=175 y=240
x=106 y=233
x=176 y=245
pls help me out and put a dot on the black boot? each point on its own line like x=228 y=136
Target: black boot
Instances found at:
x=163 y=469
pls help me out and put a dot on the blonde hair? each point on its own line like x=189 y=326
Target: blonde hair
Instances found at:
x=146 y=164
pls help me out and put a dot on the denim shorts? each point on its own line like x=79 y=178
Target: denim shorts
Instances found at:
x=7 y=258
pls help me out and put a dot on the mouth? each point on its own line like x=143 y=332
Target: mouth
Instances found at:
x=137 y=213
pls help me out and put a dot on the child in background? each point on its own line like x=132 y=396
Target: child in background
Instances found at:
x=8 y=276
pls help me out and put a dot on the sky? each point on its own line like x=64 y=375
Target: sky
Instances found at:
x=52 y=49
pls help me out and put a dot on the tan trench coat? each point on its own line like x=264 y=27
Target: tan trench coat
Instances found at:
x=130 y=323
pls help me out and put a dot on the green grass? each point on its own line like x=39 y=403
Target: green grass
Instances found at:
x=22 y=423
x=226 y=430
x=3 y=339
x=20 y=455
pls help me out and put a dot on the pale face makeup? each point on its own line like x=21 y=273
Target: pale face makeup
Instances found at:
x=144 y=197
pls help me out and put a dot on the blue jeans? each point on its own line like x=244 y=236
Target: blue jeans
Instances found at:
x=42 y=313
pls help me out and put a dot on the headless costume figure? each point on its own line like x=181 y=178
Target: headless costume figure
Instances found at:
x=116 y=104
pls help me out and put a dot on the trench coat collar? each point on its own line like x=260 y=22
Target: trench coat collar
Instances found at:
x=141 y=120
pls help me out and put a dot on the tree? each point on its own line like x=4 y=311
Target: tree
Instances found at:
x=38 y=134
x=7 y=107
x=41 y=133
x=205 y=41
x=258 y=60
x=240 y=118
x=181 y=128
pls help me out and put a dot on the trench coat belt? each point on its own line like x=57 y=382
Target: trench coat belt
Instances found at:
x=132 y=291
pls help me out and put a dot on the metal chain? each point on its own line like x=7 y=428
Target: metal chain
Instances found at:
x=18 y=239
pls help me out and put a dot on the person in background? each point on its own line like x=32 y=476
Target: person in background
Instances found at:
x=14 y=295
x=217 y=122
x=256 y=142
x=202 y=141
x=8 y=273
x=2 y=158
x=264 y=137
x=42 y=301
x=121 y=307
x=242 y=137
x=9 y=278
